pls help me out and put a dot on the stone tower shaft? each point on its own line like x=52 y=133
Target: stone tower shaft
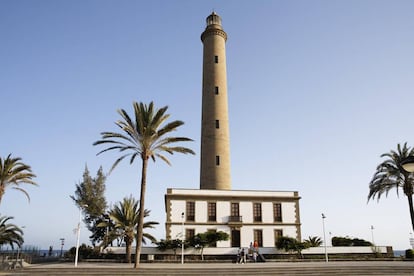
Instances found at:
x=215 y=137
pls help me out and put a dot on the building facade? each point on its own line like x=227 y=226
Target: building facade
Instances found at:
x=246 y=216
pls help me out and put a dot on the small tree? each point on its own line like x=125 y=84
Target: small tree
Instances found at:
x=91 y=193
x=206 y=239
x=125 y=216
x=291 y=245
x=163 y=245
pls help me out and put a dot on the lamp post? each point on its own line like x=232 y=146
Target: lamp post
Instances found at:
x=408 y=165
x=182 y=238
x=372 y=234
x=62 y=243
x=324 y=236
x=106 y=216
x=411 y=240
x=78 y=234
x=19 y=249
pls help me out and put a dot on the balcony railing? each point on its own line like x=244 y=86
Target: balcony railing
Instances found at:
x=235 y=219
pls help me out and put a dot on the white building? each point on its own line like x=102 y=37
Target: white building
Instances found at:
x=246 y=216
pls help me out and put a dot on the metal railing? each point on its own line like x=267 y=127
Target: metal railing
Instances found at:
x=235 y=219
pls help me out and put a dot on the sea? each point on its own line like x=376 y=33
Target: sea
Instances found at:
x=54 y=253
x=399 y=253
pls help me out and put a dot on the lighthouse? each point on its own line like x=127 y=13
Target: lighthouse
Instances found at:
x=215 y=137
x=246 y=215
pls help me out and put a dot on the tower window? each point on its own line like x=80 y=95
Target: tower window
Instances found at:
x=217 y=124
x=217 y=160
x=215 y=59
x=216 y=90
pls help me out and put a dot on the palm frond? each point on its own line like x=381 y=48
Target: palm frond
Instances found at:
x=14 y=173
x=389 y=174
x=145 y=134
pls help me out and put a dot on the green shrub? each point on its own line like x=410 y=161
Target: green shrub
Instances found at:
x=345 y=241
x=409 y=254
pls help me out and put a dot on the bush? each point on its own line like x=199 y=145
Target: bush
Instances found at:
x=85 y=252
x=291 y=244
x=345 y=241
x=409 y=254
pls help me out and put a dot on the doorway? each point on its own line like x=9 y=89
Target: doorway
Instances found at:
x=235 y=238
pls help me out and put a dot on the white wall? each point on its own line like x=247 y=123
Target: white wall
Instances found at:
x=177 y=206
x=223 y=211
x=201 y=211
x=265 y=250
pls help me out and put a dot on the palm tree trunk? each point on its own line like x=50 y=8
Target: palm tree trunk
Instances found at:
x=410 y=203
x=128 y=251
x=2 y=189
x=141 y=210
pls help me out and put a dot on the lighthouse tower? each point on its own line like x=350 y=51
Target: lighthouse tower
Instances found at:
x=246 y=215
x=215 y=138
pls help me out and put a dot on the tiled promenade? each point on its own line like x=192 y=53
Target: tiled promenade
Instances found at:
x=360 y=268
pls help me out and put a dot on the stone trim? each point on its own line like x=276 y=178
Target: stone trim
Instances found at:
x=233 y=198
x=210 y=32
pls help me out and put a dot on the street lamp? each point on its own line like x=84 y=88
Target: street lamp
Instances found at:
x=182 y=238
x=324 y=236
x=411 y=240
x=106 y=216
x=19 y=249
x=78 y=234
x=372 y=234
x=62 y=243
x=408 y=164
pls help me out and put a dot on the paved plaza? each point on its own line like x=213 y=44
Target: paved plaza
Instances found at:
x=344 y=268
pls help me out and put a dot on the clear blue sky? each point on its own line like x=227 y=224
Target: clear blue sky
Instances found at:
x=318 y=90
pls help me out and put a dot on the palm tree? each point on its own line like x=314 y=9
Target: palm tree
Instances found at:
x=390 y=175
x=9 y=233
x=313 y=241
x=13 y=173
x=145 y=137
x=124 y=216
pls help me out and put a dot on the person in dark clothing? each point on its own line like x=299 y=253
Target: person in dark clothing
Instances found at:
x=243 y=256
x=238 y=255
